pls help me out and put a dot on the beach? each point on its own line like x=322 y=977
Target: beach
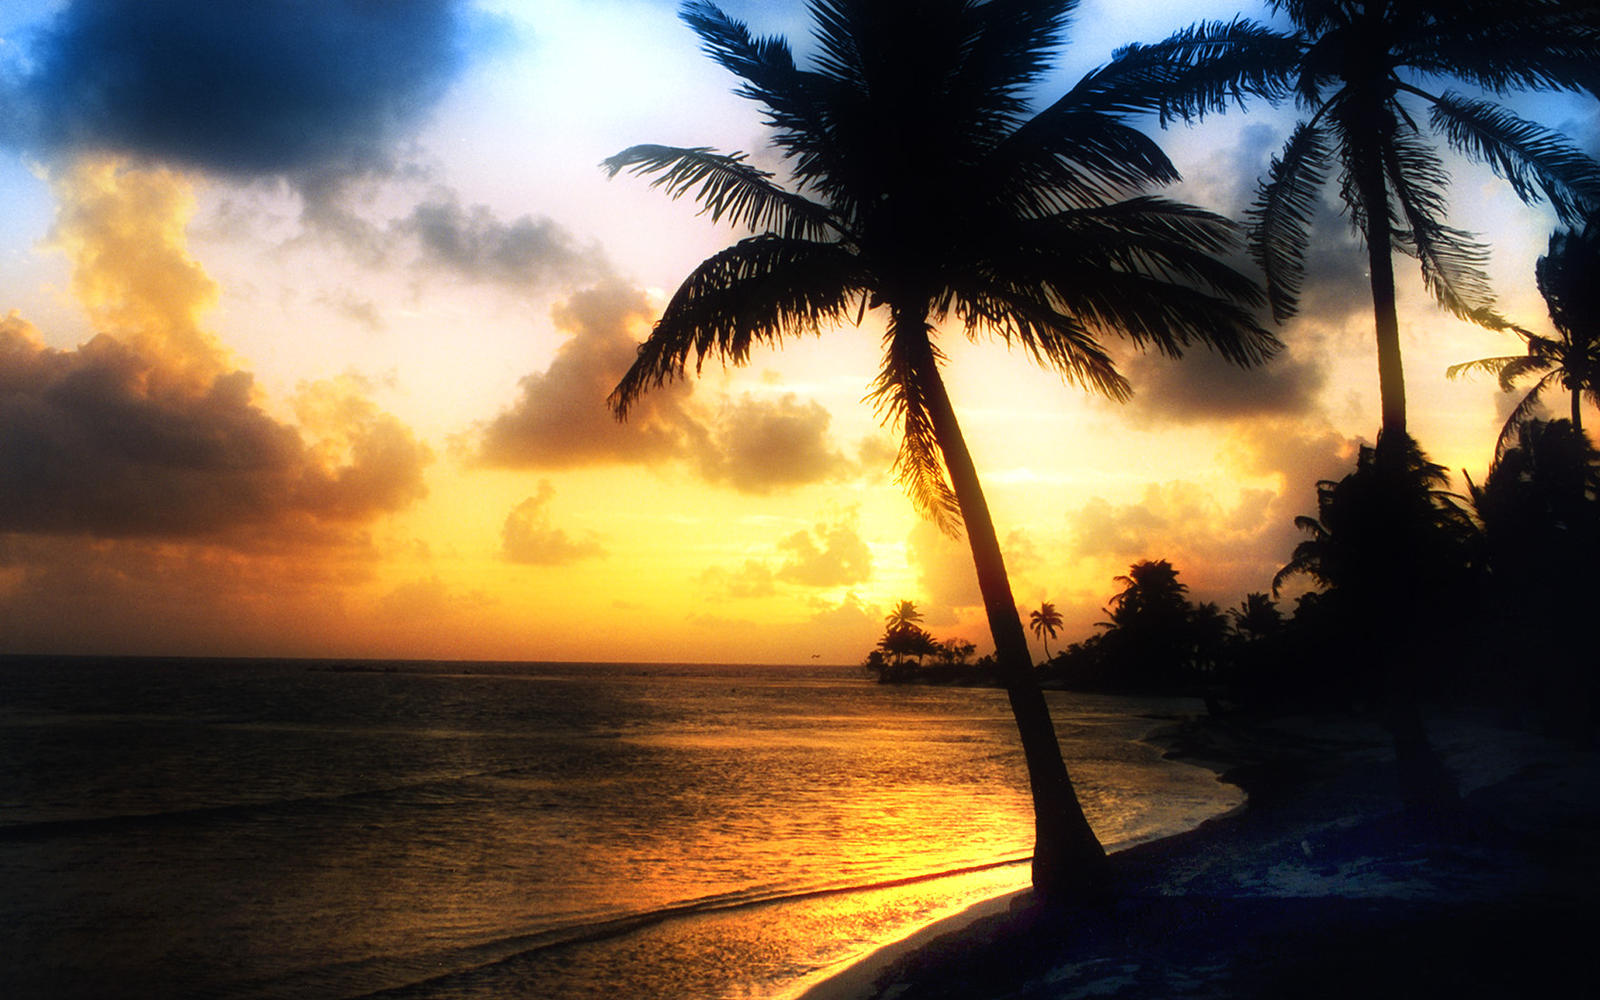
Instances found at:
x=1317 y=886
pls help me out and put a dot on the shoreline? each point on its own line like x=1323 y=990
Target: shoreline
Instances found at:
x=1273 y=897
x=853 y=979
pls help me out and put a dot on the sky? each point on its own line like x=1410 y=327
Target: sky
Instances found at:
x=310 y=308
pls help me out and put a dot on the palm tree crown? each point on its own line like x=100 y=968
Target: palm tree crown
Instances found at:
x=1362 y=70
x=903 y=616
x=923 y=184
x=1569 y=279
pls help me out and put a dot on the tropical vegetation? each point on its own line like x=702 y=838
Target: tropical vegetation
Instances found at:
x=1568 y=277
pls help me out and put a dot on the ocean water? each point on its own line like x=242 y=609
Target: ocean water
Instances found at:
x=466 y=830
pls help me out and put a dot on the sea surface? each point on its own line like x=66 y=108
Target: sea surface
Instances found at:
x=203 y=828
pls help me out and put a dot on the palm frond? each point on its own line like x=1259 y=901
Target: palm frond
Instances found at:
x=900 y=400
x=1147 y=268
x=1524 y=411
x=1521 y=45
x=761 y=289
x=1054 y=341
x=1488 y=366
x=1077 y=152
x=1532 y=158
x=1006 y=46
x=793 y=98
x=1453 y=263
x=1280 y=220
x=1206 y=68
x=725 y=186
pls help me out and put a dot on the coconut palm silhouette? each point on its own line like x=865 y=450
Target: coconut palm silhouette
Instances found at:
x=1045 y=622
x=922 y=186
x=1362 y=70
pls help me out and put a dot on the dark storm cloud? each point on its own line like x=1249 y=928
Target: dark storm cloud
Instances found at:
x=107 y=440
x=263 y=87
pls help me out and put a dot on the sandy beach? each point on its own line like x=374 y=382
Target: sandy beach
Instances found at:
x=1316 y=887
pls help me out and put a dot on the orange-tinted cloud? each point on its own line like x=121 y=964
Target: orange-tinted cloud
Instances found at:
x=834 y=555
x=823 y=556
x=760 y=446
x=560 y=419
x=528 y=537
x=148 y=429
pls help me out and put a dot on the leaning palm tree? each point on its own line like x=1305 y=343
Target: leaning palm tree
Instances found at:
x=923 y=187
x=1045 y=622
x=1367 y=73
x=1569 y=279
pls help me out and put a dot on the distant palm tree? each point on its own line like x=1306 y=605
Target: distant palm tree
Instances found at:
x=922 y=186
x=905 y=615
x=1256 y=617
x=1045 y=622
x=1354 y=66
x=1569 y=279
x=1151 y=589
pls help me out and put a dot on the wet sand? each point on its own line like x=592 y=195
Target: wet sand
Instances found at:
x=1317 y=887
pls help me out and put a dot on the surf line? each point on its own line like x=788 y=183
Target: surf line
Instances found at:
x=524 y=946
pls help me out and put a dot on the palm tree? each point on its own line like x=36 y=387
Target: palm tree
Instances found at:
x=1363 y=70
x=1045 y=622
x=1394 y=551
x=1256 y=617
x=922 y=187
x=905 y=615
x=1569 y=279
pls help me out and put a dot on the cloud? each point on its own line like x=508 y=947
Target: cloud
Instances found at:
x=476 y=244
x=759 y=446
x=752 y=444
x=946 y=579
x=560 y=419
x=245 y=89
x=148 y=429
x=752 y=578
x=1205 y=386
x=840 y=559
x=823 y=556
x=1225 y=548
x=125 y=233
x=62 y=594
x=103 y=440
x=528 y=538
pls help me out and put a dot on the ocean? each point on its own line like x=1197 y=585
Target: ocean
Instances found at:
x=232 y=829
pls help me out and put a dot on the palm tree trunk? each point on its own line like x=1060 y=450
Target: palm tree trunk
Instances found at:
x=1577 y=420
x=1380 y=264
x=1068 y=861
x=1427 y=789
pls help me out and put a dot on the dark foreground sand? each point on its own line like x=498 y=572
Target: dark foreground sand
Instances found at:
x=1316 y=888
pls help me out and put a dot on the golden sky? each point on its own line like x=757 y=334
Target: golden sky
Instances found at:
x=303 y=351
